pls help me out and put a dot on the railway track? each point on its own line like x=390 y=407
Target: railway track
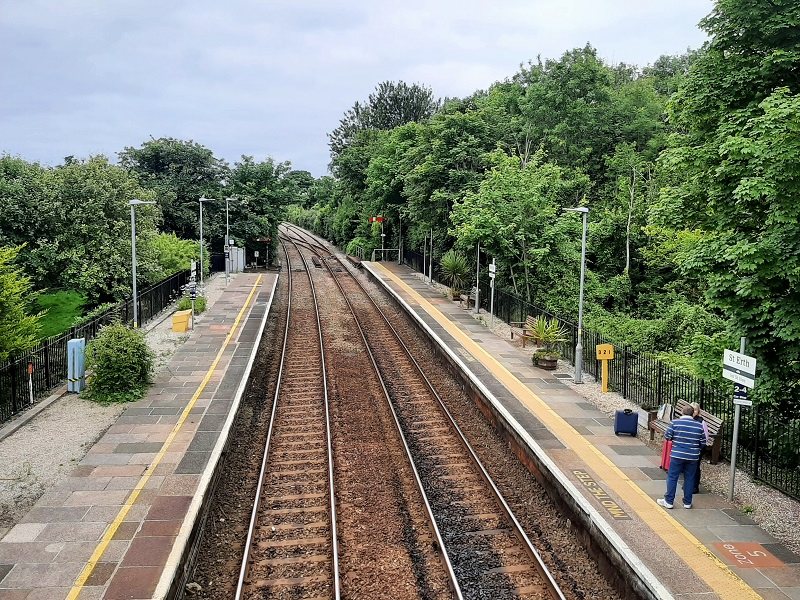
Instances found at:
x=292 y=548
x=489 y=553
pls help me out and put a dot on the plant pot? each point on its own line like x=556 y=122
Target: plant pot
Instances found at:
x=548 y=363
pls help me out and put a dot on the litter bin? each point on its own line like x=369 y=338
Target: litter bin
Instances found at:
x=180 y=321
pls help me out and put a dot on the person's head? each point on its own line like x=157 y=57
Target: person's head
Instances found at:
x=688 y=410
x=695 y=409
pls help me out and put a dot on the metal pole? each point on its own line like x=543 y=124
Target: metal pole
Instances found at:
x=579 y=344
x=201 y=242
x=227 y=245
x=737 y=412
x=430 y=264
x=383 y=243
x=477 y=308
x=400 y=240
x=491 y=282
x=133 y=261
x=424 y=255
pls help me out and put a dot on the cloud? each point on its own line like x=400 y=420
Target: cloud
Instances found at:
x=271 y=78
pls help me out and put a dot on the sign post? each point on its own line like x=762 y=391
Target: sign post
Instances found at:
x=492 y=273
x=741 y=369
x=477 y=308
x=605 y=353
x=30 y=381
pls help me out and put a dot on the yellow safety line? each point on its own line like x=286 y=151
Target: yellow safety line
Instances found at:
x=112 y=528
x=719 y=577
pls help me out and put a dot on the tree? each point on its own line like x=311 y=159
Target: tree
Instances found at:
x=734 y=180
x=390 y=105
x=178 y=172
x=19 y=331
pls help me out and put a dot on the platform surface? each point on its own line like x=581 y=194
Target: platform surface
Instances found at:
x=111 y=529
x=710 y=551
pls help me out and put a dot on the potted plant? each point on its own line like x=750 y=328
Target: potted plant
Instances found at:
x=547 y=333
x=455 y=272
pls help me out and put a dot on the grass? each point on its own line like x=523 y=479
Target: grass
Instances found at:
x=61 y=309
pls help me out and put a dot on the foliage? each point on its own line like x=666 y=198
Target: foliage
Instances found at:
x=364 y=244
x=98 y=310
x=59 y=310
x=19 y=330
x=199 y=304
x=455 y=271
x=390 y=105
x=548 y=333
x=174 y=254
x=121 y=364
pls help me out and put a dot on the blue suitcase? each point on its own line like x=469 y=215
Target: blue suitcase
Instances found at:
x=626 y=421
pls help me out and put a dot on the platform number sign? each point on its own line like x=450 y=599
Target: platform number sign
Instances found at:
x=605 y=353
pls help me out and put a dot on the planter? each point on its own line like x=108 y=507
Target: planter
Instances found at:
x=548 y=363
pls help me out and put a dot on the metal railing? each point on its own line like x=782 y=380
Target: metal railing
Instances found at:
x=769 y=442
x=49 y=357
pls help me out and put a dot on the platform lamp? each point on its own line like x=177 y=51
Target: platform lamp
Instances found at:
x=202 y=199
x=133 y=204
x=579 y=345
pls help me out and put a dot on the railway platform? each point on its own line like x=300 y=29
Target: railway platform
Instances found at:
x=118 y=525
x=710 y=551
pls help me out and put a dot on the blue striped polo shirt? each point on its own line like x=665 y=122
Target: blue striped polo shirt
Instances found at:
x=688 y=438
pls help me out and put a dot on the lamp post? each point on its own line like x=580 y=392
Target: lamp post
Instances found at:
x=133 y=204
x=202 y=199
x=579 y=345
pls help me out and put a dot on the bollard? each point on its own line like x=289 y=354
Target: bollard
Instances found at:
x=76 y=369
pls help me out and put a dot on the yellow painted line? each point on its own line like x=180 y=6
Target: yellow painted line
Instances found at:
x=129 y=502
x=716 y=574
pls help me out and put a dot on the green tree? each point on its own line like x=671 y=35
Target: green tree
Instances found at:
x=178 y=172
x=734 y=169
x=19 y=330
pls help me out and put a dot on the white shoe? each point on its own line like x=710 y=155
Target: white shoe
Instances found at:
x=664 y=503
x=687 y=506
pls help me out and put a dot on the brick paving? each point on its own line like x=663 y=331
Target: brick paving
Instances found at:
x=42 y=556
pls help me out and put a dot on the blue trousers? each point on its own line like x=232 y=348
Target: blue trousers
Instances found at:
x=689 y=470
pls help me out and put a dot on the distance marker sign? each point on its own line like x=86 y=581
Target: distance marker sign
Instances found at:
x=739 y=368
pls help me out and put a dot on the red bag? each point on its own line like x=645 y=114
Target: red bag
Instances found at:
x=666 y=450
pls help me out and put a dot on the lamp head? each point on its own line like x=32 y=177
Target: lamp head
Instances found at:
x=137 y=202
x=204 y=199
x=579 y=209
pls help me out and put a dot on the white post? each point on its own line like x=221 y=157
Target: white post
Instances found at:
x=477 y=308
x=737 y=412
x=424 y=255
x=133 y=262
x=400 y=239
x=201 y=242
x=430 y=262
x=579 y=345
x=227 y=245
x=383 y=243
x=30 y=383
x=491 y=282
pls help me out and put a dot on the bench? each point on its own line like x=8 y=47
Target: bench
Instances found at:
x=713 y=423
x=469 y=297
x=524 y=329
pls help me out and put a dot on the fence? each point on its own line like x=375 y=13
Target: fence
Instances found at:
x=49 y=357
x=769 y=442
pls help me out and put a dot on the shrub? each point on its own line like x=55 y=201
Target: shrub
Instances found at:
x=186 y=303
x=174 y=254
x=121 y=364
x=455 y=271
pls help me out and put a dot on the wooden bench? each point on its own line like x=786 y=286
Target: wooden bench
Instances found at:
x=470 y=297
x=713 y=423
x=524 y=329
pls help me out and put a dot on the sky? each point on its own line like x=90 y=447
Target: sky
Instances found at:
x=273 y=77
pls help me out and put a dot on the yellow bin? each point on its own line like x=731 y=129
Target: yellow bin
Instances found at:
x=180 y=321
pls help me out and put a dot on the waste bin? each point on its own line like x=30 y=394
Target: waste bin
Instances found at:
x=180 y=321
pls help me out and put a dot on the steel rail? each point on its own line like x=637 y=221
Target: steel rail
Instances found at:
x=554 y=589
x=445 y=558
x=256 y=504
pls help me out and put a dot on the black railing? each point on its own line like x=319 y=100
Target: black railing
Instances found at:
x=769 y=443
x=49 y=357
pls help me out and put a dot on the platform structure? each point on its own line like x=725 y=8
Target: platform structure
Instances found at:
x=710 y=551
x=117 y=526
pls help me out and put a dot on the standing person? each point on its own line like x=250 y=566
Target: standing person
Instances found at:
x=696 y=416
x=687 y=440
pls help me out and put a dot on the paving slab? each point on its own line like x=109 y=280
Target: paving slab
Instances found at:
x=109 y=529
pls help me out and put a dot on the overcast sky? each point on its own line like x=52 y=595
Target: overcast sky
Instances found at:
x=271 y=78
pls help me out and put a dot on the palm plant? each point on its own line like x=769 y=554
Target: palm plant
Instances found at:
x=547 y=333
x=455 y=271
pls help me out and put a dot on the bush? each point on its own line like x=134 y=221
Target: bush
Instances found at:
x=174 y=254
x=186 y=303
x=121 y=364
x=455 y=271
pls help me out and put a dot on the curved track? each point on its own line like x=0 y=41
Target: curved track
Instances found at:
x=491 y=555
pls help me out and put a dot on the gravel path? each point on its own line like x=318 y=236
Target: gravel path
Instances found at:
x=42 y=453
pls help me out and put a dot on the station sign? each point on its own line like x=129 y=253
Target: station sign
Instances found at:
x=605 y=351
x=739 y=368
x=740 y=395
